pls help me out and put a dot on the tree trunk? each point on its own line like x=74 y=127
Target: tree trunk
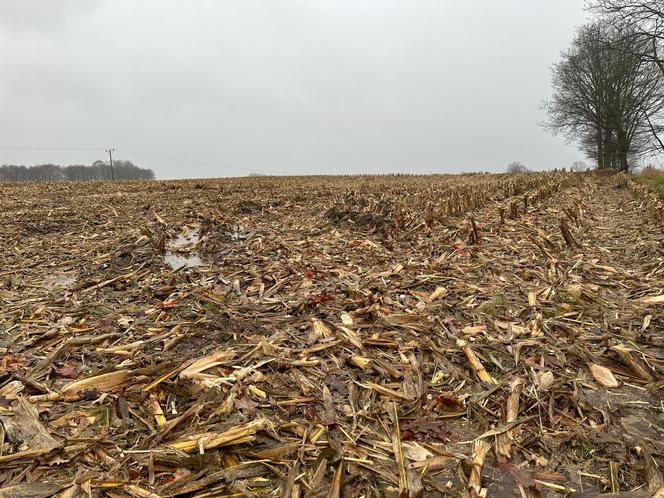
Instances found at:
x=608 y=151
x=622 y=149
x=624 y=166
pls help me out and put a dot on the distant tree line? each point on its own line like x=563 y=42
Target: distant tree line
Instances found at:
x=608 y=87
x=518 y=167
x=99 y=170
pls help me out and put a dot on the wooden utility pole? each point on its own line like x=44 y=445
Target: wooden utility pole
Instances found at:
x=110 y=157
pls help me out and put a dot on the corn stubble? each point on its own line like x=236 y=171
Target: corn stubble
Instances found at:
x=470 y=335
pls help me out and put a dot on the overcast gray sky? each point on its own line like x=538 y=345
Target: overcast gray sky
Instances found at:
x=283 y=86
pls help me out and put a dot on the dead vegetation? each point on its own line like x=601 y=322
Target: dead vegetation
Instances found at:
x=479 y=335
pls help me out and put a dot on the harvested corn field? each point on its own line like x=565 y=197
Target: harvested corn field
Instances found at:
x=471 y=335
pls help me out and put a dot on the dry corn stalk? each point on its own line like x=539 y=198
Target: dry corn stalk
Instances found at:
x=361 y=362
x=390 y=393
x=627 y=357
x=207 y=441
x=194 y=370
x=102 y=383
x=475 y=363
x=567 y=234
x=337 y=482
x=480 y=449
x=504 y=443
x=653 y=299
x=397 y=448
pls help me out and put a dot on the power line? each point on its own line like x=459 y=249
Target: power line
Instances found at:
x=174 y=159
x=190 y=161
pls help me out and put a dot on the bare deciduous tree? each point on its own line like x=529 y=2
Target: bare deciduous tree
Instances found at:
x=578 y=166
x=642 y=20
x=604 y=95
x=516 y=167
x=639 y=18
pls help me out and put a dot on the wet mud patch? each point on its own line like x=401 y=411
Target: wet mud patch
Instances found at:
x=363 y=220
x=182 y=250
x=218 y=332
x=249 y=206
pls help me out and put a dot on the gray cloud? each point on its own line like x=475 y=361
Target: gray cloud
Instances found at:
x=283 y=86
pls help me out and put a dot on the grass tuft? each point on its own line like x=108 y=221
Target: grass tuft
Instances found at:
x=653 y=178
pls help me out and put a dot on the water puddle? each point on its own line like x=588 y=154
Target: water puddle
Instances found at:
x=59 y=281
x=238 y=232
x=177 y=261
x=188 y=237
x=181 y=250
